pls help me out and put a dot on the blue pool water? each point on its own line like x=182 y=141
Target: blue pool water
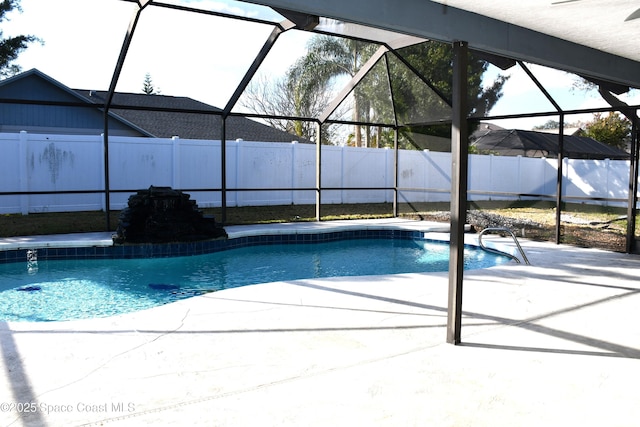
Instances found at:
x=77 y=289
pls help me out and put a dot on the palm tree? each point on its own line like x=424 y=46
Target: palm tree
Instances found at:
x=327 y=59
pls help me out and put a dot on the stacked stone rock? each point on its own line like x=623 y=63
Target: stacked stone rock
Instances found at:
x=161 y=214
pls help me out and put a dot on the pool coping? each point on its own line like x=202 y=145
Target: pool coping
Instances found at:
x=101 y=245
x=104 y=238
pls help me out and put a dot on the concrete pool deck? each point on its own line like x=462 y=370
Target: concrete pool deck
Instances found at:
x=556 y=343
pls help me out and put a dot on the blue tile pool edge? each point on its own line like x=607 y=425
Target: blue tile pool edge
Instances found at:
x=158 y=250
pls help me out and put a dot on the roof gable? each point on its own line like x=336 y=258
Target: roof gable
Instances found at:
x=33 y=85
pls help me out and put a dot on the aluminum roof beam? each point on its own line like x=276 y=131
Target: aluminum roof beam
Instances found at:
x=109 y=99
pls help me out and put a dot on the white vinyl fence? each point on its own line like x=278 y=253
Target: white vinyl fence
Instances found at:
x=45 y=163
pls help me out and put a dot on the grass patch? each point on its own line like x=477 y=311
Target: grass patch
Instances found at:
x=54 y=223
x=12 y=225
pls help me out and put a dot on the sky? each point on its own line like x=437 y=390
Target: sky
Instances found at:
x=205 y=57
x=186 y=54
x=520 y=95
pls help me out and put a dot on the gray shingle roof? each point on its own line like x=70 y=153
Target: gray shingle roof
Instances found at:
x=188 y=125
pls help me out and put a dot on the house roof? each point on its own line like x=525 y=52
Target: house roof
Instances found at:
x=153 y=115
x=190 y=125
x=540 y=144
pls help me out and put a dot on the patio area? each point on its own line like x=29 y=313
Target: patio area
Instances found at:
x=556 y=343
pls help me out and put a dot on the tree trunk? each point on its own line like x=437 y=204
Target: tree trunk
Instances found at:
x=367 y=136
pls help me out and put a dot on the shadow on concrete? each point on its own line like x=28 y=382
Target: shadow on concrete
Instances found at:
x=544 y=350
x=24 y=398
x=619 y=350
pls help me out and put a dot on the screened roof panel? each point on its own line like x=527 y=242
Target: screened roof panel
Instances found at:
x=370 y=100
x=266 y=89
x=415 y=102
x=257 y=12
x=420 y=87
x=174 y=63
x=557 y=82
x=519 y=83
x=232 y=8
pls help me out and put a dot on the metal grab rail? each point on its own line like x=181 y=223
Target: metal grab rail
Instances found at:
x=495 y=251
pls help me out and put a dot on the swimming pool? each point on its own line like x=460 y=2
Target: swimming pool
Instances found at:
x=67 y=289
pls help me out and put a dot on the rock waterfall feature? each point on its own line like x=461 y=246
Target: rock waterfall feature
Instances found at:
x=164 y=215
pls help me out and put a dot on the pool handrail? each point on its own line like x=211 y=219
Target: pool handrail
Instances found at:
x=495 y=251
